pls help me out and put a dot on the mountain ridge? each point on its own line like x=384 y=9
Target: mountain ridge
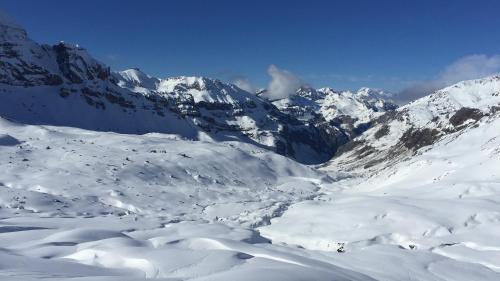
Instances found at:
x=64 y=85
x=422 y=122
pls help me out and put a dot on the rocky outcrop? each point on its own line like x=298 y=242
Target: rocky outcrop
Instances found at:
x=77 y=66
x=414 y=139
x=464 y=114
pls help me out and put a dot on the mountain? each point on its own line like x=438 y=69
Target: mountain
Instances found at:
x=124 y=176
x=361 y=106
x=341 y=113
x=65 y=86
x=136 y=80
x=423 y=122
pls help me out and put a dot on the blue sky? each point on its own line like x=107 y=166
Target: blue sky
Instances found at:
x=343 y=44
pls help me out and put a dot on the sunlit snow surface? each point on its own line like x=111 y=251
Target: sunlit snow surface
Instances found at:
x=76 y=203
x=81 y=204
x=433 y=217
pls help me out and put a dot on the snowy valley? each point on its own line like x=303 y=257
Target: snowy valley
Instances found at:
x=123 y=176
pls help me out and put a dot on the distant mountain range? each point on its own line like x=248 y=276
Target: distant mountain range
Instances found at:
x=63 y=85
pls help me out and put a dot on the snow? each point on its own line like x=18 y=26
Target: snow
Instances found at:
x=122 y=192
x=116 y=168
x=205 y=90
x=344 y=103
x=7 y=140
x=111 y=206
x=432 y=113
x=82 y=203
x=438 y=209
x=42 y=105
x=481 y=94
x=362 y=106
x=137 y=81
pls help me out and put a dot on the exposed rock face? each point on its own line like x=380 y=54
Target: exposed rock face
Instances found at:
x=416 y=138
x=464 y=114
x=383 y=131
x=77 y=66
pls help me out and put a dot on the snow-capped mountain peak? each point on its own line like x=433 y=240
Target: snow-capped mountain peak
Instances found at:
x=343 y=115
x=204 y=89
x=136 y=80
x=361 y=106
x=309 y=93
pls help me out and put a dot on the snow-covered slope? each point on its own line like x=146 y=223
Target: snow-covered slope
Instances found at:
x=64 y=85
x=432 y=216
x=421 y=123
x=85 y=204
x=152 y=174
x=136 y=80
x=107 y=206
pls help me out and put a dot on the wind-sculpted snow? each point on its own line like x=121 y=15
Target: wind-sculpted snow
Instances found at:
x=435 y=216
x=76 y=203
x=89 y=173
x=134 y=250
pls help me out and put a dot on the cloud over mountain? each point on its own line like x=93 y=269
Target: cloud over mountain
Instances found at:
x=465 y=68
x=283 y=83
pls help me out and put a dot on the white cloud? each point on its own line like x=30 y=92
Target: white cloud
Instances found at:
x=283 y=83
x=466 y=68
x=470 y=67
x=244 y=84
